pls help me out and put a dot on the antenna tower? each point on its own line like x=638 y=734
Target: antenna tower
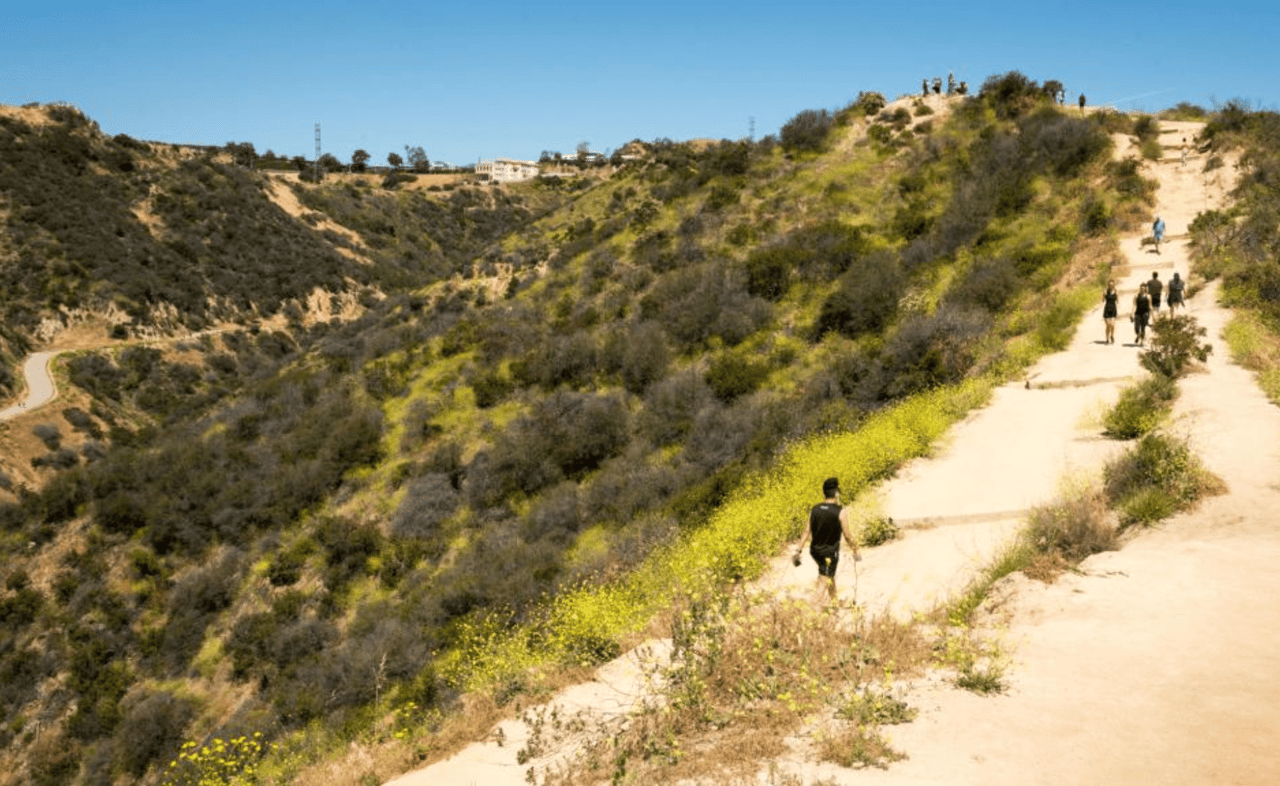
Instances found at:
x=317 y=152
x=751 y=133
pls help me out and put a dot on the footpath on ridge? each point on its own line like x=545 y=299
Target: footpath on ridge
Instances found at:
x=1152 y=664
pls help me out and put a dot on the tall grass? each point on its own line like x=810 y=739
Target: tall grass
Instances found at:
x=1256 y=347
x=1141 y=407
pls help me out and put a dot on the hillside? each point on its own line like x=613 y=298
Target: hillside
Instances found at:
x=305 y=528
x=1147 y=662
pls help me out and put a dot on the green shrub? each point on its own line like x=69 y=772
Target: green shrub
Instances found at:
x=770 y=270
x=1011 y=94
x=989 y=283
x=1152 y=150
x=1056 y=327
x=1146 y=506
x=869 y=102
x=286 y=566
x=732 y=374
x=1141 y=408
x=1159 y=475
x=928 y=351
x=1095 y=215
x=807 y=131
x=638 y=352
x=1175 y=344
x=866 y=299
x=879 y=530
x=151 y=730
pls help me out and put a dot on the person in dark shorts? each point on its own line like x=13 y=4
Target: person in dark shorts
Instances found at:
x=828 y=524
x=1141 y=314
x=1110 y=308
x=1154 y=288
x=1176 y=289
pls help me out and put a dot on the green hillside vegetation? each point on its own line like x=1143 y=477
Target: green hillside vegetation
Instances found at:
x=560 y=408
x=172 y=239
x=1242 y=244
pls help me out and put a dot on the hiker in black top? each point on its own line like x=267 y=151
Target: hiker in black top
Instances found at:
x=828 y=524
x=1176 y=287
x=1110 y=300
x=1141 y=313
x=1154 y=288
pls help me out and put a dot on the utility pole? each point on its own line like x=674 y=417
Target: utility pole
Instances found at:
x=317 y=152
x=751 y=130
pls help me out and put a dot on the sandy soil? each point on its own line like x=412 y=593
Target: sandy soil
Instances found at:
x=1158 y=663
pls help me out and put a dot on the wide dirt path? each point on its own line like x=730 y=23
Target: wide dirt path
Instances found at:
x=1156 y=664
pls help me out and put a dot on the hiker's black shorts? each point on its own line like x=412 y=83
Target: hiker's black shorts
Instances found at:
x=827 y=561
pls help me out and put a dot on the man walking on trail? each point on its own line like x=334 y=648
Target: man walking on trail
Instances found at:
x=1154 y=288
x=828 y=524
x=1157 y=231
x=1176 y=288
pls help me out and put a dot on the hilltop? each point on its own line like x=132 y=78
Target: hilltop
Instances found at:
x=338 y=444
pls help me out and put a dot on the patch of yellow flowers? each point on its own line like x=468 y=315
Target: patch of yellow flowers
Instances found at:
x=766 y=511
x=217 y=763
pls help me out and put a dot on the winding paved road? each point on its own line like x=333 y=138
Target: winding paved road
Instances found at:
x=40 y=386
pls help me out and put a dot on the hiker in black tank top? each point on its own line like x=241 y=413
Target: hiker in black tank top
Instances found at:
x=828 y=525
x=1110 y=303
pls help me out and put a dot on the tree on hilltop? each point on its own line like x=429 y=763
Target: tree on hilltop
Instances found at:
x=360 y=160
x=394 y=160
x=417 y=158
x=242 y=153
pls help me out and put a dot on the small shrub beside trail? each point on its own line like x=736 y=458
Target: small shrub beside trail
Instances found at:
x=1175 y=346
x=1141 y=408
x=1160 y=476
x=1072 y=528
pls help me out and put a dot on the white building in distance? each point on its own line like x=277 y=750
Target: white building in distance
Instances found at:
x=507 y=170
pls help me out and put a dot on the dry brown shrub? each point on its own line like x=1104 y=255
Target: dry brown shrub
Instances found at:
x=746 y=671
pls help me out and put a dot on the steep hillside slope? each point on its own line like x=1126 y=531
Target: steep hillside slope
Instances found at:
x=323 y=526
x=151 y=239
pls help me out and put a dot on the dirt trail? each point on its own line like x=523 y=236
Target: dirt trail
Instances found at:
x=1154 y=664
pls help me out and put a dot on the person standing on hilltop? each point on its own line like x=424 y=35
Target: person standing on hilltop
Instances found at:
x=1176 y=287
x=828 y=524
x=1154 y=289
x=1141 y=314
x=1110 y=302
x=1082 y=102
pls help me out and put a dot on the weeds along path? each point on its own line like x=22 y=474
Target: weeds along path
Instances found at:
x=958 y=510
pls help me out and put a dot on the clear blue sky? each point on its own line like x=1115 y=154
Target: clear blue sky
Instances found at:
x=470 y=79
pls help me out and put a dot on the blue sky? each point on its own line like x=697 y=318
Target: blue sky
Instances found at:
x=471 y=79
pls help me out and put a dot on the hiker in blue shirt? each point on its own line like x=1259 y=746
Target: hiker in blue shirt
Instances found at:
x=1157 y=231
